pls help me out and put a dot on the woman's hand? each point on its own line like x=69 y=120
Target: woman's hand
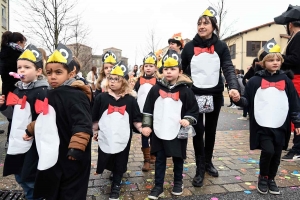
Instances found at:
x=95 y=136
x=2 y=100
x=26 y=137
x=146 y=131
x=234 y=94
x=184 y=122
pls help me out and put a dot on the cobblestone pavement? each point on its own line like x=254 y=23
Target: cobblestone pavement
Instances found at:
x=237 y=165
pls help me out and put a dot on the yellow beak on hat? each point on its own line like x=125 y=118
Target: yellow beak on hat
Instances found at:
x=207 y=13
x=110 y=59
x=275 y=49
x=27 y=54
x=57 y=57
x=170 y=62
x=117 y=71
x=159 y=64
x=150 y=60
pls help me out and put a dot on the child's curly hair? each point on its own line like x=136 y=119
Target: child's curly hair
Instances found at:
x=125 y=89
x=101 y=76
x=271 y=56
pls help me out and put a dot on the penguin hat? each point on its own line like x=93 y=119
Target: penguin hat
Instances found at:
x=211 y=13
x=171 y=59
x=109 y=57
x=150 y=59
x=270 y=47
x=119 y=69
x=63 y=55
x=33 y=55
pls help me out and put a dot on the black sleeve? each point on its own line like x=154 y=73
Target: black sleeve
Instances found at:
x=137 y=115
x=228 y=69
x=192 y=109
x=96 y=109
x=293 y=57
x=244 y=100
x=97 y=92
x=248 y=75
x=137 y=85
x=81 y=118
x=294 y=105
x=184 y=59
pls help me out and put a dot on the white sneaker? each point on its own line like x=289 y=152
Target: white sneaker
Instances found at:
x=296 y=157
x=243 y=118
x=233 y=106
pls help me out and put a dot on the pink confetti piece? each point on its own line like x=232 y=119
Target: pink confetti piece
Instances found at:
x=183 y=175
x=238 y=178
x=214 y=198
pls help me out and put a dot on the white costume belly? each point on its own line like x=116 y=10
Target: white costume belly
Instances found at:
x=142 y=95
x=270 y=107
x=114 y=132
x=21 y=118
x=47 y=139
x=205 y=70
x=166 y=117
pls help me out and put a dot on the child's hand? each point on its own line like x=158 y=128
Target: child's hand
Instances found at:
x=146 y=131
x=2 y=100
x=95 y=136
x=236 y=99
x=297 y=130
x=184 y=122
x=26 y=137
x=234 y=94
x=71 y=158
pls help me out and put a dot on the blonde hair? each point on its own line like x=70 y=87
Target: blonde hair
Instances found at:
x=101 y=76
x=44 y=55
x=125 y=88
x=259 y=53
x=269 y=56
x=142 y=72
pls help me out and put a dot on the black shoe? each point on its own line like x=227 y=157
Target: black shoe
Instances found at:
x=229 y=105
x=262 y=185
x=291 y=156
x=200 y=172
x=111 y=176
x=273 y=189
x=115 y=192
x=156 y=192
x=211 y=170
x=177 y=188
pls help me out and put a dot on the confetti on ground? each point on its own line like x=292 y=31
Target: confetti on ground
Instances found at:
x=287 y=177
x=183 y=175
x=284 y=171
x=221 y=167
x=252 y=187
x=295 y=172
x=138 y=173
x=247 y=183
x=247 y=192
x=185 y=169
x=214 y=198
x=293 y=188
x=238 y=178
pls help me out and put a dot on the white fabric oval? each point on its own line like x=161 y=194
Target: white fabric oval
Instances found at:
x=114 y=132
x=270 y=107
x=21 y=118
x=47 y=139
x=166 y=117
x=205 y=70
x=142 y=95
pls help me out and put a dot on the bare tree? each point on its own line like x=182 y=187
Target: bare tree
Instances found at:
x=153 y=43
x=225 y=28
x=48 y=21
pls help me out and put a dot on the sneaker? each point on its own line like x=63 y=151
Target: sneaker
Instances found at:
x=177 y=188
x=273 y=189
x=156 y=192
x=291 y=156
x=229 y=105
x=262 y=185
x=6 y=145
x=243 y=118
x=233 y=106
x=115 y=192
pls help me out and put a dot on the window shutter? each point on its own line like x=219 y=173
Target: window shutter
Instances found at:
x=249 y=49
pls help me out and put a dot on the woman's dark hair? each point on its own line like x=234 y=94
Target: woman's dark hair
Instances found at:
x=242 y=71
x=254 y=61
x=213 y=21
x=14 y=37
x=237 y=71
x=94 y=70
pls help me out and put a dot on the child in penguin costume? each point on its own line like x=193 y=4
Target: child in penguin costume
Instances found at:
x=109 y=59
x=116 y=106
x=22 y=157
x=170 y=104
x=145 y=82
x=66 y=176
x=272 y=99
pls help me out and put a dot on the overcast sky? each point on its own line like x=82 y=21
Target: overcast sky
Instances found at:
x=125 y=24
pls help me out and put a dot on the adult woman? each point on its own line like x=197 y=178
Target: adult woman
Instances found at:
x=91 y=78
x=12 y=45
x=203 y=58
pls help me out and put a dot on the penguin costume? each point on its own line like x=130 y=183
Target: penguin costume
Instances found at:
x=60 y=177
x=165 y=106
x=272 y=99
x=22 y=157
x=114 y=117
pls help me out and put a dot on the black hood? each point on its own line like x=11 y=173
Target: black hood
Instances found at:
x=199 y=42
x=265 y=73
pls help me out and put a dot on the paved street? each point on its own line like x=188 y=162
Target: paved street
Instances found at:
x=237 y=165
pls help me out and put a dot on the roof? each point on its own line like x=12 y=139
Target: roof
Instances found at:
x=251 y=29
x=79 y=44
x=113 y=48
x=285 y=36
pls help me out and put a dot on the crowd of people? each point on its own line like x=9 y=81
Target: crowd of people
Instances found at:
x=54 y=113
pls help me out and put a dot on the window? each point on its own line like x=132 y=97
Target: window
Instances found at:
x=253 y=47
x=232 y=51
x=98 y=61
x=3 y=16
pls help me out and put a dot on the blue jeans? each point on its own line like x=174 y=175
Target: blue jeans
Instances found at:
x=28 y=187
x=145 y=141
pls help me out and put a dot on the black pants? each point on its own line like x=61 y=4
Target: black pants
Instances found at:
x=270 y=155
x=296 y=146
x=8 y=86
x=210 y=127
x=160 y=168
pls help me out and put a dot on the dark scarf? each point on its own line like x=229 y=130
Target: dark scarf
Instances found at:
x=199 y=42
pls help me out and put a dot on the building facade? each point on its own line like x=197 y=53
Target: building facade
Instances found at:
x=245 y=45
x=4 y=15
x=97 y=59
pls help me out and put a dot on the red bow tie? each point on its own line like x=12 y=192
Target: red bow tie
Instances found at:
x=151 y=81
x=41 y=106
x=198 y=50
x=13 y=99
x=112 y=109
x=280 y=85
x=174 y=96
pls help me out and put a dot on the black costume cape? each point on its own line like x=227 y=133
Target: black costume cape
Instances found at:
x=115 y=162
x=68 y=179
x=26 y=164
x=175 y=147
x=281 y=134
